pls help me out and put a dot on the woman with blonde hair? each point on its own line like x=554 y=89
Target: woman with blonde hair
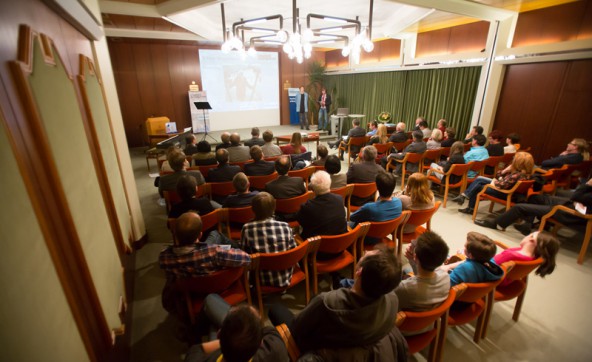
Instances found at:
x=381 y=135
x=417 y=196
x=520 y=169
x=295 y=146
x=435 y=139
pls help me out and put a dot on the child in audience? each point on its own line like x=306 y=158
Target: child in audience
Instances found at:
x=479 y=266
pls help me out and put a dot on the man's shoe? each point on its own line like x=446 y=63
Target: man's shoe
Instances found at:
x=460 y=199
x=486 y=223
x=466 y=210
x=523 y=228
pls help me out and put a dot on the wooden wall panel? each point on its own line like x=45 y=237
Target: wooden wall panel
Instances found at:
x=333 y=58
x=548 y=104
x=565 y=22
x=458 y=39
x=384 y=50
x=432 y=43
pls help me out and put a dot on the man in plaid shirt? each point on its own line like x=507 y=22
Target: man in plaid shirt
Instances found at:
x=192 y=257
x=266 y=235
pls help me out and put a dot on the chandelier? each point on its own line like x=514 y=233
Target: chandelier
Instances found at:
x=298 y=42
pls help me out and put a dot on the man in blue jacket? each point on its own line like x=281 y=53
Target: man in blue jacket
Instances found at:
x=302 y=108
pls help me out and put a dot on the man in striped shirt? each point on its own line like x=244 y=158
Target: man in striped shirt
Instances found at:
x=266 y=235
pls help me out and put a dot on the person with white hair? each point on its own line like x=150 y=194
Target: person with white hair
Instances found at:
x=325 y=214
x=399 y=135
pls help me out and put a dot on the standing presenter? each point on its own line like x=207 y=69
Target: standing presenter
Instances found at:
x=302 y=108
x=324 y=106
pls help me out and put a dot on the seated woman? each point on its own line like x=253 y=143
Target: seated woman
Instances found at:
x=166 y=166
x=333 y=168
x=434 y=141
x=417 y=196
x=512 y=142
x=533 y=246
x=295 y=146
x=521 y=169
x=455 y=157
x=204 y=155
x=381 y=135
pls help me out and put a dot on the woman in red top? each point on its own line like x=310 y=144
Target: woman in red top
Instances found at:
x=295 y=146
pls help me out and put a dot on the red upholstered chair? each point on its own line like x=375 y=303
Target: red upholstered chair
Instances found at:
x=400 y=146
x=552 y=178
x=456 y=170
x=346 y=244
x=231 y=284
x=363 y=190
x=520 y=188
x=237 y=217
x=480 y=296
x=410 y=157
x=292 y=205
x=345 y=192
x=258 y=182
x=205 y=169
x=419 y=218
x=548 y=218
x=357 y=142
x=292 y=258
x=382 y=150
x=430 y=156
x=241 y=164
x=305 y=173
x=382 y=229
x=417 y=321
x=220 y=190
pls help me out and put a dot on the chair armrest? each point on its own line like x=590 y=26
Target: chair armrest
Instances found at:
x=400 y=318
x=567 y=210
x=501 y=244
x=298 y=239
x=490 y=186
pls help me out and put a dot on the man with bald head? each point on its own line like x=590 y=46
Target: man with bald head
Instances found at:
x=225 y=138
x=224 y=172
x=399 y=135
x=236 y=151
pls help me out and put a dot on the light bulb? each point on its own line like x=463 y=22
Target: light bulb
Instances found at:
x=307 y=47
x=282 y=36
x=299 y=60
x=287 y=48
x=307 y=54
x=252 y=52
x=368 y=45
x=345 y=51
x=226 y=47
x=307 y=34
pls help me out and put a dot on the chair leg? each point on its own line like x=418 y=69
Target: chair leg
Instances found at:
x=445 y=196
x=584 y=248
x=518 y=306
x=479 y=328
x=476 y=208
x=434 y=344
x=441 y=336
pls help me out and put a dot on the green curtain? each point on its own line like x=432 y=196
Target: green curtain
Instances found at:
x=447 y=93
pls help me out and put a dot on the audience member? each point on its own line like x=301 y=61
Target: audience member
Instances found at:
x=373 y=128
x=285 y=187
x=237 y=152
x=225 y=139
x=355 y=131
x=441 y=125
x=243 y=196
x=266 y=235
x=416 y=196
x=418 y=120
x=423 y=127
x=366 y=170
x=224 y=172
x=381 y=135
x=435 y=140
x=539 y=205
x=520 y=169
x=449 y=137
x=495 y=147
x=242 y=336
x=576 y=152
x=186 y=189
x=333 y=167
x=325 y=214
x=477 y=152
x=360 y=319
x=204 y=155
x=399 y=135
x=417 y=146
x=190 y=147
x=295 y=146
x=455 y=157
x=166 y=165
x=430 y=285
x=255 y=139
x=512 y=140
x=269 y=149
x=179 y=165
x=322 y=153
x=258 y=167
x=385 y=208
x=476 y=130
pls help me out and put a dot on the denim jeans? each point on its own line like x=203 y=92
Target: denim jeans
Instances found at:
x=323 y=118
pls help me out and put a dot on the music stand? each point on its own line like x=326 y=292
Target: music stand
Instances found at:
x=203 y=106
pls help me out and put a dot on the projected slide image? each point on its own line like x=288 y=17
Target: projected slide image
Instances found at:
x=242 y=84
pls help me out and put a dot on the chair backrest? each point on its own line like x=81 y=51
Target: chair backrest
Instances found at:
x=432 y=155
x=337 y=243
x=214 y=219
x=445 y=151
x=363 y=190
x=258 y=182
x=493 y=162
x=215 y=282
x=412 y=157
x=381 y=229
x=523 y=186
x=420 y=217
x=292 y=205
x=171 y=198
x=382 y=148
x=400 y=146
x=240 y=215
x=521 y=269
x=205 y=169
x=345 y=191
x=459 y=169
x=305 y=173
x=284 y=259
x=416 y=321
x=222 y=188
x=358 y=141
x=507 y=158
x=476 y=291
x=241 y=164
x=467 y=147
x=584 y=168
x=478 y=166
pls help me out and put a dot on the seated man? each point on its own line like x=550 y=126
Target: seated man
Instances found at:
x=477 y=152
x=373 y=128
x=364 y=172
x=325 y=214
x=190 y=145
x=355 y=131
x=322 y=153
x=333 y=168
x=399 y=135
x=258 y=167
x=539 y=205
x=179 y=165
x=266 y=235
x=192 y=257
x=386 y=208
x=417 y=146
x=186 y=189
x=236 y=151
x=423 y=127
x=572 y=155
x=243 y=196
x=285 y=187
x=269 y=149
x=362 y=316
x=224 y=172
x=430 y=285
x=476 y=130
x=225 y=138
x=255 y=139
x=241 y=336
